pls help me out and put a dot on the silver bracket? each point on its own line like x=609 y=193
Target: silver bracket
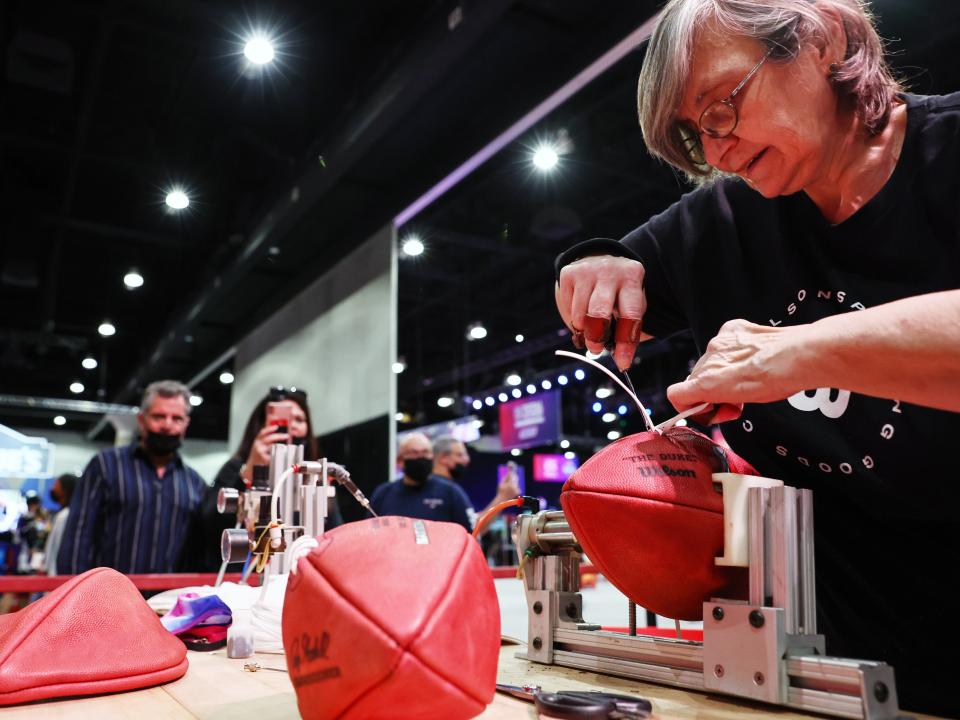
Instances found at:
x=743 y=650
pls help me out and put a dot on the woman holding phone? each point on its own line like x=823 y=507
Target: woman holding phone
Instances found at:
x=282 y=416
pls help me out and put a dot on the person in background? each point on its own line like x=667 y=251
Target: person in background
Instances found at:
x=450 y=462
x=135 y=506
x=61 y=493
x=420 y=493
x=254 y=449
x=32 y=528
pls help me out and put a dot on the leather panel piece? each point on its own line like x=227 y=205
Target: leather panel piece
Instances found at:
x=76 y=641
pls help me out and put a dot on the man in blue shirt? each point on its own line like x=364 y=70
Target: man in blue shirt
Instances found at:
x=136 y=505
x=419 y=494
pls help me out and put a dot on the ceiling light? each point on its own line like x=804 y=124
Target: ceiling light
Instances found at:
x=226 y=377
x=597 y=407
x=196 y=400
x=579 y=374
x=514 y=379
x=412 y=246
x=399 y=366
x=546 y=384
x=516 y=452
x=133 y=280
x=59 y=420
x=613 y=435
x=76 y=388
x=177 y=199
x=609 y=417
x=489 y=401
x=516 y=393
x=478 y=404
x=564 y=444
x=259 y=49
x=531 y=389
x=518 y=338
x=476 y=331
x=503 y=397
x=604 y=392
x=570 y=455
x=562 y=380
x=398 y=417
x=89 y=362
x=444 y=401
x=106 y=328
x=545 y=158
x=622 y=409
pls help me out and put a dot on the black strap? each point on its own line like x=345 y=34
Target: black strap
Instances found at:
x=588 y=248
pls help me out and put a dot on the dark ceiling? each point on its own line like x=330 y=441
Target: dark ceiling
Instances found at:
x=105 y=105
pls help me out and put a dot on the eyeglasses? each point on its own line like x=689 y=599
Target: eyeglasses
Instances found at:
x=718 y=120
x=279 y=392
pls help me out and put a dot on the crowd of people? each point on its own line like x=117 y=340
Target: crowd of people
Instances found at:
x=140 y=508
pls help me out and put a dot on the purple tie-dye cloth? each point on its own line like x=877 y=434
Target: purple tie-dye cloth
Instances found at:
x=193 y=609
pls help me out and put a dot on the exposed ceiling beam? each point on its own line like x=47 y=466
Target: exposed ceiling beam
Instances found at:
x=110 y=230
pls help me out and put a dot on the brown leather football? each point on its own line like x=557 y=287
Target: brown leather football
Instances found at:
x=645 y=511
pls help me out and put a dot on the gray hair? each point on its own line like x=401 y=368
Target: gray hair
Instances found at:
x=863 y=78
x=443 y=445
x=167 y=389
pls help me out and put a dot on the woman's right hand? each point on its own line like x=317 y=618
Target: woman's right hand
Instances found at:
x=260 y=449
x=594 y=289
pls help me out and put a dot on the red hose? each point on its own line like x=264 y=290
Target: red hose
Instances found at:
x=500 y=507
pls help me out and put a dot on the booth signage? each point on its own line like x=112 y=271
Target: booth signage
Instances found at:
x=530 y=421
x=24 y=457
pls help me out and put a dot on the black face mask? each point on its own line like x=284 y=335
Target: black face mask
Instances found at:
x=457 y=471
x=159 y=444
x=418 y=469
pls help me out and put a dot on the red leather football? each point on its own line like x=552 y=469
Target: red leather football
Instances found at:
x=392 y=617
x=646 y=513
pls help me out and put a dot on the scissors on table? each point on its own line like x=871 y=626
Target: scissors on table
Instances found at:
x=581 y=705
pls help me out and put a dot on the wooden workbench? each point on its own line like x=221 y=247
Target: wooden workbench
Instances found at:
x=217 y=688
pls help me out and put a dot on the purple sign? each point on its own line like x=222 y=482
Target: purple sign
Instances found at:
x=530 y=421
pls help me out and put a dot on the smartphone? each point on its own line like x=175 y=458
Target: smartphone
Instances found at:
x=278 y=414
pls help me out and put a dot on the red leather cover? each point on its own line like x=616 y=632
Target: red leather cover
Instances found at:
x=379 y=625
x=646 y=513
x=93 y=634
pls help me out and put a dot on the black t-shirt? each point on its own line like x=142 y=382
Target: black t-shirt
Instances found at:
x=885 y=474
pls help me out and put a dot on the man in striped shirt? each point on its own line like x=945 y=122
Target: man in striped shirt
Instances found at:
x=136 y=505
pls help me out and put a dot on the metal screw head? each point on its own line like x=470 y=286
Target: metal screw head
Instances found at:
x=756 y=618
x=538 y=607
x=572 y=610
x=718 y=671
x=758 y=678
x=718 y=613
x=537 y=643
x=880 y=691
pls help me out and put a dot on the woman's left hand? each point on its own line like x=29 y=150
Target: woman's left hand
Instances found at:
x=744 y=363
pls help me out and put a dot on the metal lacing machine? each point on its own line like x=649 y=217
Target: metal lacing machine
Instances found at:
x=765 y=648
